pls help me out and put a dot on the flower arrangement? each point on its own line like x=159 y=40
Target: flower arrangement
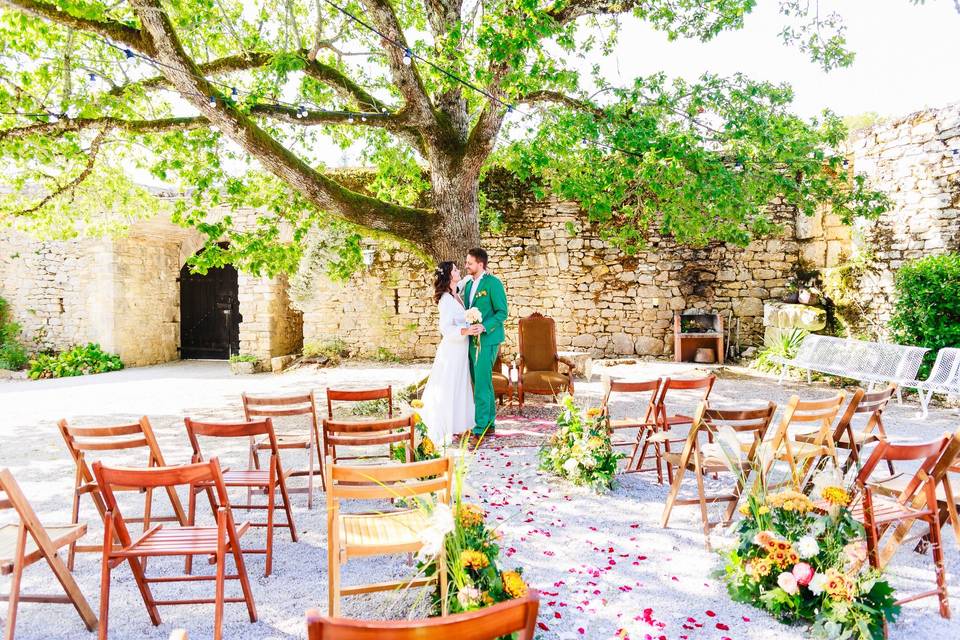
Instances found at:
x=802 y=565
x=425 y=448
x=580 y=449
x=474 y=576
x=474 y=316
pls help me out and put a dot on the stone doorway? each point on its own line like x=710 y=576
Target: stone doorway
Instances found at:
x=209 y=313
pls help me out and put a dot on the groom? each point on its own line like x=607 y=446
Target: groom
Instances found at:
x=485 y=292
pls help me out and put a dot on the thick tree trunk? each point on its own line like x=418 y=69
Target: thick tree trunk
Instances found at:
x=457 y=204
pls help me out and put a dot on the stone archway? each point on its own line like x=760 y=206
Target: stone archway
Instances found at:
x=209 y=313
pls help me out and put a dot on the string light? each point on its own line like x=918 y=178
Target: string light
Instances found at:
x=234 y=93
x=407 y=57
x=213 y=101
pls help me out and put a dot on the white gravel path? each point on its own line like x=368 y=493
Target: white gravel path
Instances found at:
x=602 y=563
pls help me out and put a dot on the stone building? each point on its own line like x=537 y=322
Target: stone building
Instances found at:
x=134 y=297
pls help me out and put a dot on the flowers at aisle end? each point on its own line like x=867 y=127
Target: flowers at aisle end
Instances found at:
x=434 y=536
x=514 y=585
x=580 y=449
x=805 y=566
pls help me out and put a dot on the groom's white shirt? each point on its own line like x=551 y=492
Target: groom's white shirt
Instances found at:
x=476 y=285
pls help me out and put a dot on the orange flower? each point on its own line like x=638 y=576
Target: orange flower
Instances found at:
x=474 y=560
x=513 y=584
x=470 y=515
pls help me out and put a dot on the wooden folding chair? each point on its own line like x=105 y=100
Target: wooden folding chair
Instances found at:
x=360 y=395
x=919 y=502
x=701 y=458
x=643 y=425
x=274 y=407
x=816 y=419
x=86 y=442
x=845 y=436
x=368 y=433
x=666 y=421
x=902 y=486
x=501 y=620
x=353 y=535
x=268 y=481
x=217 y=541
x=27 y=542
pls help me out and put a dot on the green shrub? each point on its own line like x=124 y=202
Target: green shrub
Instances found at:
x=786 y=346
x=12 y=354
x=333 y=350
x=927 y=308
x=76 y=361
x=382 y=354
x=243 y=357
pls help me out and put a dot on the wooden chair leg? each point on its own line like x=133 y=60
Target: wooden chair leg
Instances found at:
x=74 y=519
x=191 y=520
x=104 y=597
x=221 y=562
x=70 y=587
x=333 y=570
x=702 y=499
x=937 y=548
x=310 y=475
x=271 y=508
x=672 y=496
x=14 y=598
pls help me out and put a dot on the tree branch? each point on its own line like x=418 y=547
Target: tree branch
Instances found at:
x=408 y=223
x=565 y=12
x=116 y=31
x=406 y=77
x=72 y=184
x=561 y=98
x=105 y=123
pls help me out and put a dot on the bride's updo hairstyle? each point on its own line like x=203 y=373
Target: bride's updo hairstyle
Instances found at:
x=441 y=280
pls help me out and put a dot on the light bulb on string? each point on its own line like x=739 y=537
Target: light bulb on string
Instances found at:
x=234 y=93
x=92 y=77
x=350 y=119
x=128 y=53
x=407 y=57
x=363 y=118
x=213 y=101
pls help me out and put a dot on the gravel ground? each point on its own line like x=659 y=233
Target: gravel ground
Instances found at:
x=602 y=563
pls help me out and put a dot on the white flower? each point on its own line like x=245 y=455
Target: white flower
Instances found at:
x=570 y=466
x=817 y=584
x=788 y=583
x=589 y=462
x=473 y=316
x=807 y=547
x=441 y=523
x=468 y=596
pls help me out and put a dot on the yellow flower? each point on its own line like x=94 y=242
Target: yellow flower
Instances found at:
x=744 y=509
x=415 y=417
x=838 y=586
x=486 y=598
x=594 y=443
x=513 y=584
x=763 y=510
x=790 y=501
x=593 y=412
x=428 y=447
x=474 y=560
x=761 y=567
x=788 y=505
x=470 y=515
x=416 y=404
x=836 y=496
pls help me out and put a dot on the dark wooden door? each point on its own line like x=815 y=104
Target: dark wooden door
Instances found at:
x=209 y=313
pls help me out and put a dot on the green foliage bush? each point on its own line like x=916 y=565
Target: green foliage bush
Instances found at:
x=333 y=350
x=786 y=347
x=76 y=361
x=12 y=354
x=243 y=357
x=927 y=309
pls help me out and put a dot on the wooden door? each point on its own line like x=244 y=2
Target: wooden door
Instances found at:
x=209 y=313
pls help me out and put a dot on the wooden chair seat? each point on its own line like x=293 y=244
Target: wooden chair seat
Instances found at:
x=60 y=536
x=804 y=450
x=709 y=463
x=897 y=484
x=545 y=382
x=286 y=441
x=676 y=419
x=163 y=541
x=888 y=509
x=251 y=478
x=859 y=438
x=399 y=530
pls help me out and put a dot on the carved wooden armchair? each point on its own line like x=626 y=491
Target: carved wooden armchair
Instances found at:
x=539 y=370
x=502 y=380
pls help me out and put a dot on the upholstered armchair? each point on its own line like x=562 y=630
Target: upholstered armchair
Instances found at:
x=539 y=365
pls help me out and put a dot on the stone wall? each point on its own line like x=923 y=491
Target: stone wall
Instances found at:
x=915 y=160
x=603 y=300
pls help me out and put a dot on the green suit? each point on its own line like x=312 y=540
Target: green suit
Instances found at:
x=491 y=300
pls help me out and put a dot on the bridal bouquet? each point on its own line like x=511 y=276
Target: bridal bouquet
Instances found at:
x=474 y=316
x=580 y=450
x=800 y=565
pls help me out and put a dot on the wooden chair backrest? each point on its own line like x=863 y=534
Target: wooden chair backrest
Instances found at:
x=631 y=386
x=303 y=404
x=383 y=481
x=683 y=384
x=109 y=478
x=513 y=616
x=249 y=429
x=936 y=466
x=14 y=498
x=865 y=403
x=360 y=395
x=111 y=438
x=754 y=421
x=537 y=336
x=368 y=432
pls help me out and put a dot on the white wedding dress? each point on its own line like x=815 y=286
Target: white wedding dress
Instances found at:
x=448 y=397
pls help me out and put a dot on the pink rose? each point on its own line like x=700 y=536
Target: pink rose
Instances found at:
x=803 y=573
x=788 y=583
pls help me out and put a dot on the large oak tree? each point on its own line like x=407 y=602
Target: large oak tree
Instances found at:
x=238 y=102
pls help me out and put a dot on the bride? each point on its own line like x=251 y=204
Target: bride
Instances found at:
x=448 y=396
